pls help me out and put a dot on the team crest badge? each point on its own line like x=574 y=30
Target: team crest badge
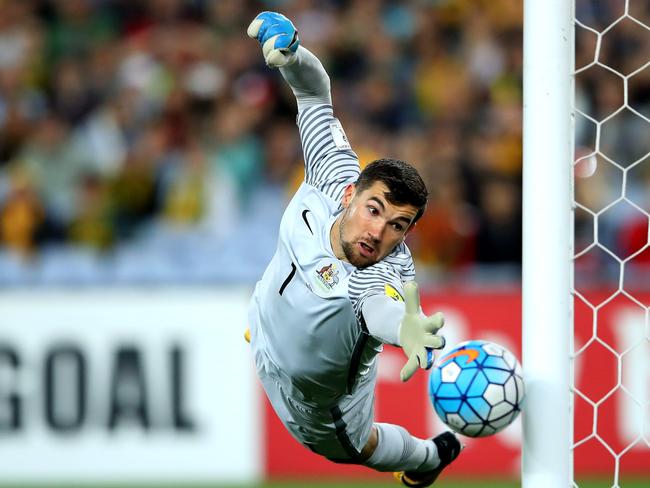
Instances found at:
x=328 y=276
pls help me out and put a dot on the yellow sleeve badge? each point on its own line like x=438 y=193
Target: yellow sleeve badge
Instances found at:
x=392 y=293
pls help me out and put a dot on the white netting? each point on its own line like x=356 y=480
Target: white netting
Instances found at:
x=611 y=357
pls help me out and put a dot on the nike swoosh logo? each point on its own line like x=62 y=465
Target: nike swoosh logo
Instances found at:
x=304 y=217
x=471 y=354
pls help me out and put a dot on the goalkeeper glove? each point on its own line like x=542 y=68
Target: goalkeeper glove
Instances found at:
x=278 y=37
x=417 y=333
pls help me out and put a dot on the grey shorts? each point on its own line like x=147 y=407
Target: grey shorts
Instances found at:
x=338 y=431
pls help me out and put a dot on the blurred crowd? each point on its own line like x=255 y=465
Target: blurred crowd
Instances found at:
x=612 y=171
x=147 y=141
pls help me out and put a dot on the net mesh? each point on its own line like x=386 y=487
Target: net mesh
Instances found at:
x=611 y=356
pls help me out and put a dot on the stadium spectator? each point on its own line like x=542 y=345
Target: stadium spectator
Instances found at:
x=84 y=84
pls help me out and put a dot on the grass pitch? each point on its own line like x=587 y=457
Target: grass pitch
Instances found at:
x=451 y=483
x=456 y=483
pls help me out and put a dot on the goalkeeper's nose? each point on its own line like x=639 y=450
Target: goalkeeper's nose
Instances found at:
x=376 y=231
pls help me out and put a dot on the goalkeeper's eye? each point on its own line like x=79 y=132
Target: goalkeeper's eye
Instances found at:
x=398 y=227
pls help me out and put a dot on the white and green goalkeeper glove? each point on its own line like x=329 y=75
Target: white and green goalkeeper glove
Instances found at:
x=417 y=333
x=278 y=37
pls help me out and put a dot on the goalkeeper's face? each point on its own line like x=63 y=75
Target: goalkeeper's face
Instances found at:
x=370 y=226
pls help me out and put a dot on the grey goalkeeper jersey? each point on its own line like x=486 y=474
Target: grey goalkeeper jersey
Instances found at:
x=305 y=313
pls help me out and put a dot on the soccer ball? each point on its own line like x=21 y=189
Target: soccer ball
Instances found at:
x=477 y=388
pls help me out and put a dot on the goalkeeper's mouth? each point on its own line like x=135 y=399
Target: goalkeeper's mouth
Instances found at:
x=366 y=250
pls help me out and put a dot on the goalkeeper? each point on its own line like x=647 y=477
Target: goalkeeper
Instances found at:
x=340 y=285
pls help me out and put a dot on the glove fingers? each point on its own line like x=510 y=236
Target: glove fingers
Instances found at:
x=423 y=355
x=281 y=42
x=278 y=36
x=434 y=341
x=270 y=24
x=258 y=27
x=268 y=46
x=254 y=28
x=278 y=58
x=284 y=36
x=411 y=297
x=409 y=368
x=426 y=361
x=434 y=323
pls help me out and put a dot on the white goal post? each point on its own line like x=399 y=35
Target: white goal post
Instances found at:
x=547 y=242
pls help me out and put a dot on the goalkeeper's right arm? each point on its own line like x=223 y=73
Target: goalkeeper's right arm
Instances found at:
x=299 y=67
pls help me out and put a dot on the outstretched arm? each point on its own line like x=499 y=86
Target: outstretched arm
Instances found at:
x=403 y=324
x=330 y=163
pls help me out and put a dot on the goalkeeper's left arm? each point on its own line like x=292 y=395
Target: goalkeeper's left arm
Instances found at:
x=403 y=324
x=300 y=68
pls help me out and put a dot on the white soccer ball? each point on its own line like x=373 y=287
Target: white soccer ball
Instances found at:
x=477 y=389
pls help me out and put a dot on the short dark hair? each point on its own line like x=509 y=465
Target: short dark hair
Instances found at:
x=405 y=185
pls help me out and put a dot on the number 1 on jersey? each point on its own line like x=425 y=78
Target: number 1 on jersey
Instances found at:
x=289 y=278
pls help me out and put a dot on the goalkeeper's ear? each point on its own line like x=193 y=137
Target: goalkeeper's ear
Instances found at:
x=348 y=195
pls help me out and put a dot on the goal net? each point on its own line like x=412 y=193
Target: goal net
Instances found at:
x=586 y=256
x=611 y=202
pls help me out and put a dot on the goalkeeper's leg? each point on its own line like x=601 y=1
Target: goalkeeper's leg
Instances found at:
x=417 y=462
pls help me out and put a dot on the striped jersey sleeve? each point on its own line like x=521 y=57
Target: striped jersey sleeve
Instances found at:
x=330 y=163
x=387 y=277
